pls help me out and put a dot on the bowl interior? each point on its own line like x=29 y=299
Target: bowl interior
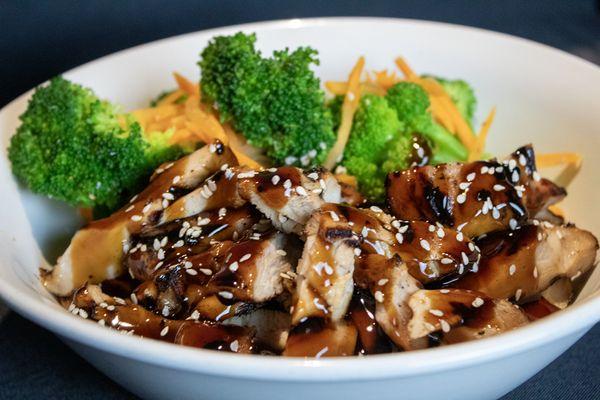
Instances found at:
x=542 y=96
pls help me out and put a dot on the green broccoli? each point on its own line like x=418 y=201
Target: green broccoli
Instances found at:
x=77 y=148
x=376 y=146
x=276 y=103
x=411 y=103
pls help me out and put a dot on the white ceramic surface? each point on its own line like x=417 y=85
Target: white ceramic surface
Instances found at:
x=543 y=96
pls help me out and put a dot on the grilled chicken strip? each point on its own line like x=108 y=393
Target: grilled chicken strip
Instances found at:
x=522 y=263
x=249 y=270
x=433 y=253
x=471 y=314
x=317 y=338
x=391 y=285
x=286 y=195
x=183 y=238
x=324 y=281
x=475 y=198
x=95 y=251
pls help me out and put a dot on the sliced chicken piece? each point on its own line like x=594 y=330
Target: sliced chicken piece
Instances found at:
x=433 y=253
x=324 y=282
x=218 y=191
x=95 y=251
x=288 y=196
x=186 y=237
x=253 y=270
x=538 y=193
x=523 y=263
x=471 y=314
x=134 y=319
x=560 y=293
x=317 y=338
x=372 y=339
x=391 y=285
x=474 y=198
x=538 y=309
x=271 y=326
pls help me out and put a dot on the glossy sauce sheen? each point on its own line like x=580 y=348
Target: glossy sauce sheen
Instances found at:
x=317 y=338
x=362 y=314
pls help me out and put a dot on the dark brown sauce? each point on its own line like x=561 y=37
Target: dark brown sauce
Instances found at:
x=361 y=312
x=270 y=185
x=317 y=338
x=539 y=309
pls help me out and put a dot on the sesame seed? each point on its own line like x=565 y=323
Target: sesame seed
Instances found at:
x=536 y=176
x=399 y=237
x=131 y=207
x=275 y=179
x=187 y=265
x=164 y=331
x=165 y=203
x=478 y=302
x=515 y=176
x=357 y=251
x=192 y=272
x=178 y=244
x=461 y=198
x=444 y=291
x=499 y=188
x=518 y=294
x=431 y=228
x=437 y=313
x=234 y=266
x=512 y=269
x=136 y=218
x=133 y=298
x=465 y=259
x=206 y=271
x=425 y=244
x=287 y=184
x=484 y=169
x=460 y=236
x=445 y=325
x=168 y=196
x=110 y=308
x=83 y=313
x=226 y=295
x=464 y=185
x=495 y=213
x=471 y=246
x=378 y=296
x=376 y=209
x=440 y=233
x=471 y=177
x=322 y=352
x=101 y=322
x=301 y=191
x=234 y=346
x=382 y=282
x=535 y=272
x=446 y=261
x=161 y=254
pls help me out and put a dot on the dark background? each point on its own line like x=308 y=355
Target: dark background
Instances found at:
x=39 y=39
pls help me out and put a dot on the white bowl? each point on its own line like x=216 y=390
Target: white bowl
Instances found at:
x=543 y=96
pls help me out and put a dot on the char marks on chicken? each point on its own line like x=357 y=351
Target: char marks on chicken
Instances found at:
x=294 y=262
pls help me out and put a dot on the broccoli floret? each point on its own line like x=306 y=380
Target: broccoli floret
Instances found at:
x=462 y=95
x=376 y=146
x=77 y=148
x=411 y=103
x=276 y=103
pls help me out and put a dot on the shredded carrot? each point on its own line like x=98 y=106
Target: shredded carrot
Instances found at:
x=406 y=70
x=349 y=107
x=341 y=88
x=192 y=122
x=482 y=137
x=557 y=210
x=347 y=179
x=571 y=161
x=193 y=89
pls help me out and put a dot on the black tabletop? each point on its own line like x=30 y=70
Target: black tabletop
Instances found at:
x=40 y=39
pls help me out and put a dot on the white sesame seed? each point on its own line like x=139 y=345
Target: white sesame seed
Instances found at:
x=101 y=322
x=512 y=224
x=437 y=313
x=464 y=185
x=465 y=259
x=399 y=237
x=168 y=196
x=187 y=265
x=322 y=352
x=445 y=325
x=536 y=176
x=301 y=191
x=535 y=272
x=131 y=207
x=431 y=228
x=512 y=269
x=461 y=198
x=226 y=295
x=136 y=218
x=133 y=298
x=234 y=346
x=287 y=184
x=192 y=272
x=178 y=244
x=382 y=282
x=234 y=266
x=161 y=254
x=471 y=177
x=165 y=203
x=376 y=209
x=164 y=331
x=275 y=179
x=378 y=296
x=206 y=271
x=478 y=302
x=518 y=294
x=499 y=188
x=446 y=260
x=357 y=251
x=425 y=244
x=444 y=291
